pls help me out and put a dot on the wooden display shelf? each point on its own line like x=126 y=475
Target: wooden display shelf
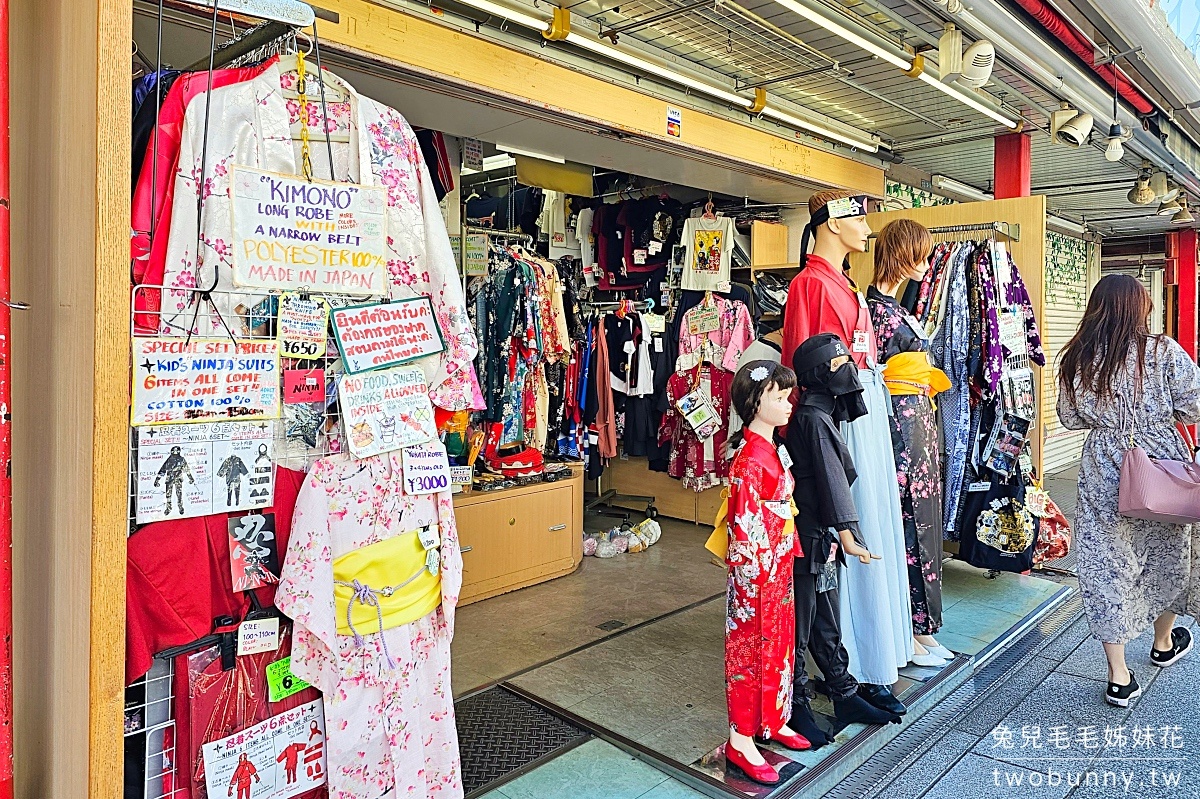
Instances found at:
x=520 y=536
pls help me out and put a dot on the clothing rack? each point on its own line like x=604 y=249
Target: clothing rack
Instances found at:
x=616 y=305
x=1010 y=230
x=499 y=234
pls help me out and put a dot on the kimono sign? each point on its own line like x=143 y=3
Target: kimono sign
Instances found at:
x=291 y=233
x=274 y=759
x=175 y=380
x=386 y=410
x=389 y=334
x=426 y=469
x=302 y=325
x=194 y=470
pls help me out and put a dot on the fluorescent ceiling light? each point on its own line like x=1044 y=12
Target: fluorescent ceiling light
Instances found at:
x=943 y=183
x=820 y=130
x=829 y=22
x=542 y=156
x=966 y=98
x=656 y=70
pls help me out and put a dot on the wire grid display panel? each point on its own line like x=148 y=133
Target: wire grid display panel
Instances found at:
x=301 y=435
x=150 y=714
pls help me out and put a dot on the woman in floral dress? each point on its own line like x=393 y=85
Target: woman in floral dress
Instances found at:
x=1121 y=383
x=901 y=253
x=760 y=620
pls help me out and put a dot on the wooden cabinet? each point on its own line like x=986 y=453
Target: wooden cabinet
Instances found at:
x=520 y=537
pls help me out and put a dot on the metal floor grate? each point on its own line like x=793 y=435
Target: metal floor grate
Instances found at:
x=501 y=735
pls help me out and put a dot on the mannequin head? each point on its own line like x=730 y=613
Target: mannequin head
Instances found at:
x=901 y=253
x=823 y=367
x=760 y=394
x=840 y=235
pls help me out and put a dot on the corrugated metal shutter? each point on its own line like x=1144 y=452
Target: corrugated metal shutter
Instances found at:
x=1066 y=297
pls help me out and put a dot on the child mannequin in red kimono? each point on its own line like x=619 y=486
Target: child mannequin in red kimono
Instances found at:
x=760 y=622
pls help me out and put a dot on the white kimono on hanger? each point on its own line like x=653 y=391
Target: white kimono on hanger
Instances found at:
x=251 y=125
x=391 y=731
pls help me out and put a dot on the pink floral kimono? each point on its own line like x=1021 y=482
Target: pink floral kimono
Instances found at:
x=391 y=727
x=252 y=125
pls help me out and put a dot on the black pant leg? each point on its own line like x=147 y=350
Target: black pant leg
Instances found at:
x=805 y=589
x=826 y=646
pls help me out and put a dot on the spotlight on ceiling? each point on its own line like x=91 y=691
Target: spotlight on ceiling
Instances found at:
x=1158 y=182
x=972 y=68
x=1184 y=217
x=1070 y=127
x=1168 y=208
x=1141 y=193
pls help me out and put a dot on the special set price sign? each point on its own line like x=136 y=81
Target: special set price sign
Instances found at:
x=176 y=380
x=292 y=233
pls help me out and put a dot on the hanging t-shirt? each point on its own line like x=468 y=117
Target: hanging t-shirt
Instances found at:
x=709 y=245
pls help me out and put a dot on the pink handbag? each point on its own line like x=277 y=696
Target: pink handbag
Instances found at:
x=1158 y=490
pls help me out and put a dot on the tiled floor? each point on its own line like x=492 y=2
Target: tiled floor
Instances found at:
x=507 y=634
x=663 y=684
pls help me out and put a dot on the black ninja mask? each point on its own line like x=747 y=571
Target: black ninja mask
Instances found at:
x=837 y=390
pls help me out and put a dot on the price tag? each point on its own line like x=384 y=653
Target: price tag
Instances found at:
x=1012 y=332
x=980 y=486
x=460 y=475
x=431 y=536
x=302 y=326
x=658 y=344
x=260 y=635
x=724 y=286
x=426 y=469
x=301 y=386
x=860 y=341
x=639 y=257
x=281 y=683
x=655 y=247
x=703 y=320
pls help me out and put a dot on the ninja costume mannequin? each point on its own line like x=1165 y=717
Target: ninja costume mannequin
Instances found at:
x=875 y=616
x=827 y=526
x=174 y=468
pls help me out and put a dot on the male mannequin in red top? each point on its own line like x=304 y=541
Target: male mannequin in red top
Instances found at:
x=874 y=610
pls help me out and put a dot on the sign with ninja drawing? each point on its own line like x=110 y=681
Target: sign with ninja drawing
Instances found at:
x=198 y=469
x=274 y=759
x=386 y=410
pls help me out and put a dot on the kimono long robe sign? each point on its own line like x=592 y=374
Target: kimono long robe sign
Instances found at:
x=391 y=729
x=760 y=623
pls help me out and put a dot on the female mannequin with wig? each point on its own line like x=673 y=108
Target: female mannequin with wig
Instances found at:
x=901 y=254
x=876 y=622
x=759 y=625
x=1122 y=384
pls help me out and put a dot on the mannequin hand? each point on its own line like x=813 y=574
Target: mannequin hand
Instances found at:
x=854 y=549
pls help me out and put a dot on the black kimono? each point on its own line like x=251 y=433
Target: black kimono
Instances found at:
x=824 y=471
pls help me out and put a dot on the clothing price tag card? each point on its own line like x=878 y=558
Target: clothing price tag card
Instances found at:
x=281 y=683
x=426 y=469
x=301 y=386
x=302 y=325
x=259 y=635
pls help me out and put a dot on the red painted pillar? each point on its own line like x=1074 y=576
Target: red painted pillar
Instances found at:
x=1012 y=165
x=1181 y=253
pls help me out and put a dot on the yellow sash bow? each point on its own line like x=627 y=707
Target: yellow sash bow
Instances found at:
x=384 y=585
x=718 y=542
x=912 y=373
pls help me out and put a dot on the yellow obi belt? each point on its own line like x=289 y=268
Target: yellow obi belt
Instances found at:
x=912 y=373
x=387 y=584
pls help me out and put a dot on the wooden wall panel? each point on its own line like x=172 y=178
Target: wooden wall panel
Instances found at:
x=70 y=200
x=1029 y=253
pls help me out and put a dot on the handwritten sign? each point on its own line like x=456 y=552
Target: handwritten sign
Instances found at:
x=476 y=258
x=703 y=319
x=426 y=469
x=378 y=336
x=386 y=410
x=281 y=683
x=197 y=469
x=461 y=475
x=473 y=154
x=291 y=233
x=175 y=380
x=275 y=759
x=258 y=635
x=302 y=326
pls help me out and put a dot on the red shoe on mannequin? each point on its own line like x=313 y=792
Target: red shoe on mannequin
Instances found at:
x=764 y=773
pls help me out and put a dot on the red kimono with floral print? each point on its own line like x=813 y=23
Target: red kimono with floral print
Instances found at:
x=760 y=618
